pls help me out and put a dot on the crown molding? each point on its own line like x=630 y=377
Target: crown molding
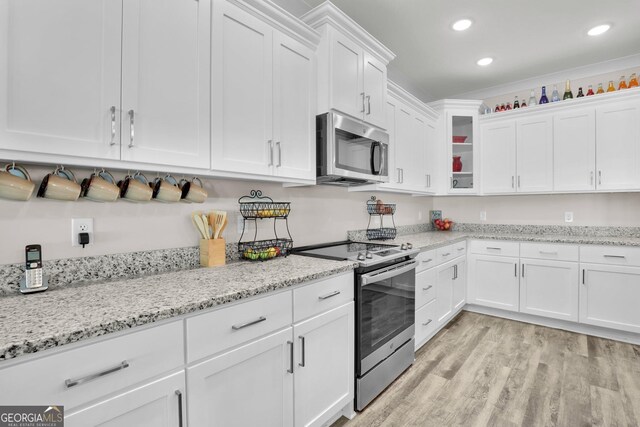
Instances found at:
x=396 y=91
x=441 y=104
x=328 y=14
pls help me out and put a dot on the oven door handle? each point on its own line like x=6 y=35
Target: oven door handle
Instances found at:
x=393 y=271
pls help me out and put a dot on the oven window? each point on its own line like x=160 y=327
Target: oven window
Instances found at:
x=386 y=309
x=353 y=152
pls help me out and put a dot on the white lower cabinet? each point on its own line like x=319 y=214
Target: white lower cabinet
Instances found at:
x=460 y=285
x=444 y=293
x=609 y=296
x=323 y=378
x=494 y=281
x=249 y=386
x=549 y=288
x=157 y=404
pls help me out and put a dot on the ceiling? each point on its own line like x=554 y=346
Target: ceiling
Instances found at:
x=525 y=38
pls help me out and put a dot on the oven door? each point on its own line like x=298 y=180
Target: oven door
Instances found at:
x=385 y=313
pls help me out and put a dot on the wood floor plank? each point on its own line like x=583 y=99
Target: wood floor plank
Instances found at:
x=486 y=371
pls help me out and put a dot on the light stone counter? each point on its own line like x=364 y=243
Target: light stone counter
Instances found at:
x=31 y=323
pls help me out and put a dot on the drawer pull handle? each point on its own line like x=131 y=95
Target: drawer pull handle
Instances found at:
x=179 y=394
x=427 y=288
x=549 y=252
x=290 y=370
x=615 y=256
x=332 y=294
x=427 y=260
x=447 y=254
x=302 y=362
x=253 y=322
x=71 y=383
x=427 y=322
x=494 y=249
x=461 y=249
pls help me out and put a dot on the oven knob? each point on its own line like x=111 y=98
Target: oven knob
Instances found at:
x=403 y=247
x=360 y=256
x=369 y=255
x=409 y=246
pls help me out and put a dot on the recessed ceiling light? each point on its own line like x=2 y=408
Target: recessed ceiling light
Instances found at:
x=461 y=25
x=484 y=61
x=600 y=29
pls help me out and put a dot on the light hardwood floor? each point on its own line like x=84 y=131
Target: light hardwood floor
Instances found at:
x=487 y=371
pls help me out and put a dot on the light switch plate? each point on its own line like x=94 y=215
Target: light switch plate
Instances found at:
x=483 y=215
x=568 y=217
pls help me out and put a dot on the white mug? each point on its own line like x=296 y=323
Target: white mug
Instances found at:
x=15 y=183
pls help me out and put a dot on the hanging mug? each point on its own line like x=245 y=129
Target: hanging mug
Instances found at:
x=192 y=192
x=15 y=183
x=135 y=188
x=166 y=189
x=60 y=185
x=100 y=187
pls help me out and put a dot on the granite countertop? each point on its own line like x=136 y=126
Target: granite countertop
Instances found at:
x=31 y=323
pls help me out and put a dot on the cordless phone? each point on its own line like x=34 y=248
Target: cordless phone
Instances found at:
x=34 y=279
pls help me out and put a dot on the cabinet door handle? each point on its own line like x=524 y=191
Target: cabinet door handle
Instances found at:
x=583 y=276
x=399 y=182
x=427 y=288
x=460 y=249
x=368 y=104
x=515 y=269
x=518 y=181
x=113 y=125
x=253 y=322
x=522 y=270
x=615 y=256
x=591 y=178
x=290 y=370
x=427 y=260
x=402 y=175
x=426 y=178
x=362 y=94
x=599 y=177
x=427 y=322
x=513 y=180
x=279 y=154
x=493 y=248
x=270 y=144
x=131 y=128
x=447 y=254
x=179 y=394
x=72 y=383
x=429 y=178
x=332 y=294
x=302 y=342
x=548 y=252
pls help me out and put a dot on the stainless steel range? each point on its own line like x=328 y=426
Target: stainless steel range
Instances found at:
x=385 y=310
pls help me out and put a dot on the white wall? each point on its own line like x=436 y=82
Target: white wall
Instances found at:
x=615 y=209
x=319 y=214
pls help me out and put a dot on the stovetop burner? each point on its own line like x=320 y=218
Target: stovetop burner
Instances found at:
x=365 y=253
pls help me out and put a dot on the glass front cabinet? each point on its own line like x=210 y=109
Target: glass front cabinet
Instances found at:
x=460 y=136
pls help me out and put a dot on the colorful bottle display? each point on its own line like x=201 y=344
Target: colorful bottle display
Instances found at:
x=600 y=89
x=622 y=84
x=555 y=96
x=567 y=91
x=611 y=87
x=590 y=91
x=633 y=80
x=580 y=94
x=543 y=98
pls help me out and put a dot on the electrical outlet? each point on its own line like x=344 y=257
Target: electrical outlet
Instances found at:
x=568 y=217
x=81 y=225
x=483 y=215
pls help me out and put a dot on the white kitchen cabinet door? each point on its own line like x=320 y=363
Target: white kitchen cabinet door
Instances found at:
x=574 y=150
x=60 y=77
x=459 y=285
x=618 y=146
x=416 y=172
x=241 y=92
x=426 y=284
x=249 y=386
x=394 y=174
x=375 y=90
x=323 y=380
x=498 y=157
x=346 y=76
x=165 y=82
x=534 y=149
x=444 y=294
x=431 y=156
x=549 y=288
x=157 y=404
x=294 y=108
x=493 y=282
x=404 y=144
x=609 y=296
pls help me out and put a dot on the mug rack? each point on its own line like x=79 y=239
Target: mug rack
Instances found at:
x=377 y=208
x=256 y=207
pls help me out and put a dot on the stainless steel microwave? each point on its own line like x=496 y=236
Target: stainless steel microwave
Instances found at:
x=349 y=152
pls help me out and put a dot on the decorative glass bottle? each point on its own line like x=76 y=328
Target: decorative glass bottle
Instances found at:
x=611 y=87
x=590 y=91
x=622 y=84
x=555 y=96
x=580 y=94
x=532 y=97
x=600 y=89
x=516 y=103
x=633 y=80
x=543 y=98
x=567 y=91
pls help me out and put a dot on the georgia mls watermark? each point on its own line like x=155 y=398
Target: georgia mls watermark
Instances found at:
x=31 y=416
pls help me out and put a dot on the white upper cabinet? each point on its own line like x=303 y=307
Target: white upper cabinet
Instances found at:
x=574 y=150
x=60 y=77
x=534 y=149
x=618 y=146
x=262 y=97
x=498 y=157
x=352 y=66
x=165 y=82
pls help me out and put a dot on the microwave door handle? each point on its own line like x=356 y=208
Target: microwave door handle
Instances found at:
x=374 y=145
x=367 y=279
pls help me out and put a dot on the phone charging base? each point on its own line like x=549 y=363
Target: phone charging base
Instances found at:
x=25 y=290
